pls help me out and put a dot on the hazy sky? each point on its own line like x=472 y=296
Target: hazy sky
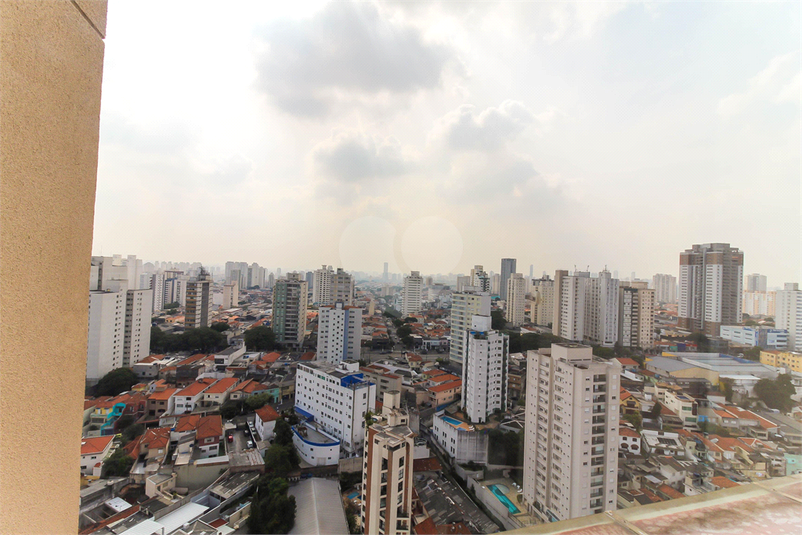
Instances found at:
x=438 y=136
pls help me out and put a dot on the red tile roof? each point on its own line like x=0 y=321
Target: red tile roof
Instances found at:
x=270 y=358
x=443 y=378
x=187 y=423
x=723 y=482
x=628 y=432
x=163 y=395
x=90 y=446
x=222 y=385
x=430 y=464
x=670 y=492
x=309 y=355
x=209 y=426
x=625 y=361
x=445 y=386
x=267 y=414
x=427 y=527
x=249 y=386
x=196 y=388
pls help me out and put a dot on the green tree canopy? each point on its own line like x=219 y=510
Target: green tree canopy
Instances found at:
x=131 y=432
x=258 y=401
x=260 y=338
x=283 y=432
x=776 y=393
x=220 y=326
x=635 y=419
x=230 y=409
x=203 y=339
x=118 y=464
x=272 y=510
x=116 y=381
x=497 y=321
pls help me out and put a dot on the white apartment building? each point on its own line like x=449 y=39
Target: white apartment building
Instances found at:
x=331 y=286
x=480 y=278
x=636 y=315
x=459 y=439
x=413 y=292
x=586 y=308
x=387 y=471
x=571 y=459
x=136 y=339
x=230 y=295
x=339 y=333
x=516 y=299
x=765 y=337
x=665 y=288
x=541 y=304
x=106 y=333
x=755 y=282
x=485 y=370
x=789 y=314
x=337 y=398
x=465 y=305
x=760 y=303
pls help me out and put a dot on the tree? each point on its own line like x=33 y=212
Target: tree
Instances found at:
x=116 y=381
x=505 y=448
x=277 y=460
x=283 y=432
x=258 y=401
x=410 y=320
x=497 y=321
x=604 y=352
x=123 y=422
x=776 y=393
x=131 y=432
x=725 y=385
x=753 y=353
x=272 y=510
x=220 y=326
x=655 y=412
x=118 y=464
x=157 y=340
x=260 y=338
x=635 y=419
x=203 y=339
x=230 y=409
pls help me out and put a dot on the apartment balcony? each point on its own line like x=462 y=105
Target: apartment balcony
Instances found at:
x=599 y=388
x=597 y=461
x=597 y=472
x=598 y=420
x=599 y=429
x=599 y=409
x=598 y=450
x=601 y=398
x=597 y=493
x=597 y=481
x=597 y=440
x=597 y=503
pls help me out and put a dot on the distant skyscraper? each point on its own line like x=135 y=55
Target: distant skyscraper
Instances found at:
x=464 y=306
x=710 y=287
x=760 y=303
x=665 y=288
x=531 y=271
x=756 y=282
x=541 y=306
x=635 y=315
x=413 y=294
x=508 y=267
x=386 y=275
x=789 y=314
x=339 y=333
x=495 y=284
x=571 y=457
x=480 y=278
x=587 y=307
x=199 y=301
x=289 y=310
x=387 y=472
x=231 y=295
x=516 y=299
x=485 y=370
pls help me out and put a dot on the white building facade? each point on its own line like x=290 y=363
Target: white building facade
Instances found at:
x=459 y=440
x=571 y=459
x=516 y=299
x=339 y=335
x=465 y=305
x=789 y=314
x=413 y=294
x=586 y=308
x=485 y=370
x=337 y=398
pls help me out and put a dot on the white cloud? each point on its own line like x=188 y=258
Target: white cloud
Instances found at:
x=778 y=83
x=490 y=129
x=353 y=157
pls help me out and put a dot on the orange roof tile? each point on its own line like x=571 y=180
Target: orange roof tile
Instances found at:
x=723 y=482
x=267 y=414
x=443 y=378
x=445 y=386
x=270 y=357
x=209 y=426
x=430 y=464
x=627 y=432
x=196 y=388
x=90 y=446
x=670 y=492
x=222 y=385
x=427 y=527
x=163 y=395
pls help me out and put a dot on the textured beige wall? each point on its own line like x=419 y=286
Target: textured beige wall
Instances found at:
x=51 y=63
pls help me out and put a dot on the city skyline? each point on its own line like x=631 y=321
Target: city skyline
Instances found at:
x=589 y=134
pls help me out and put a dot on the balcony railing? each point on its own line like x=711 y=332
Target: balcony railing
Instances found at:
x=596 y=481
x=598 y=420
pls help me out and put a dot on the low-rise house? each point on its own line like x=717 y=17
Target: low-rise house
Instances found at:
x=444 y=393
x=187 y=398
x=93 y=452
x=662 y=443
x=218 y=393
x=246 y=389
x=207 y=432
x=628 y=364
x=629 y=403
x=462 y=442
x=227 y=356
x=265 y=421
x=629 y=440
x=385 y=381
x=161 y=402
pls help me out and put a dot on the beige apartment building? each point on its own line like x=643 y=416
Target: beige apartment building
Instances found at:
x=636 y=315
x=571 y=459
x=516 y=299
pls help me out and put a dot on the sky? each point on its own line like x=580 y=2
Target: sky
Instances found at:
x=435 y=136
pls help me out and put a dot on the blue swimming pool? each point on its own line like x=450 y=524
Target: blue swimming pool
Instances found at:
x=452 y=421
x=353 y=495
x=503 y=499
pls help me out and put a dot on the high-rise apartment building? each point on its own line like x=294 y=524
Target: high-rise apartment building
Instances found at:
x=665 y=288
x=463 y=282
x=136 y=337
x=586 y=308
x=464 y=306
x=198 y=311
x=789 y=314
x=516 y=299
x=413 y=294
x=230 y=295
x=710 y=287
x=480 y=278
x=508 y=266
x=387 y=471
x=289 y=310
x=755 y=282
x=636 y=314
x=541 y=305
x=485 y=370
x=119 y=317
x=495 y=283
x=336 y=397
x=331 y=286
x=571 y=458
x=386 y=273
x=339 y=333
x=760 y=303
